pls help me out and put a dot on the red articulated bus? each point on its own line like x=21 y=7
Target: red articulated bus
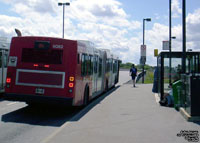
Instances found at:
x=59 y=71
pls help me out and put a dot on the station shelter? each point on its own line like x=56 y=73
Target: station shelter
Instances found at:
x=163 y=63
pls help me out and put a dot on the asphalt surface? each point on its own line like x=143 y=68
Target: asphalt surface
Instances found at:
x=23 y=124
x=124 y=114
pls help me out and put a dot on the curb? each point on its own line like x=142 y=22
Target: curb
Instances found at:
x=188 y=117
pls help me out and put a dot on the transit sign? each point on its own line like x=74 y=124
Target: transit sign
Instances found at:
x=142 y=60
x=155 y=52
x=143 y=51
x=165 y=45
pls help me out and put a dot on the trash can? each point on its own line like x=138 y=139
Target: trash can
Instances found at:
x=176 y=90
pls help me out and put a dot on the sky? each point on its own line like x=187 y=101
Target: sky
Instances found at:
x=110 y=24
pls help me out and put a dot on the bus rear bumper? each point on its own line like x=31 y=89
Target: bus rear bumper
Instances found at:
x=40 y=99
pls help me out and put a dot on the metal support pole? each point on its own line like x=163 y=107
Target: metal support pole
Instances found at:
x=170 y=31
x=63 y=4
x=143 y=45
x=63 y=19
x=143 y=30
x=184 y=36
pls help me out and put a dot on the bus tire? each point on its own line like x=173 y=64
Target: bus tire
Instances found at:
x=86 y=96
x=33 y=104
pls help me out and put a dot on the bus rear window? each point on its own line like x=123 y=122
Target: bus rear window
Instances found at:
x=42 y=56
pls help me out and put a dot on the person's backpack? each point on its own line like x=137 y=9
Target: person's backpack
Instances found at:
x=133 y=71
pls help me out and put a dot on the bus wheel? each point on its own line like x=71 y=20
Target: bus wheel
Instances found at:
x=33 y=105
x=86 y=97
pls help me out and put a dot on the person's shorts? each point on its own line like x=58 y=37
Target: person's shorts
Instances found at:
x=133 y=77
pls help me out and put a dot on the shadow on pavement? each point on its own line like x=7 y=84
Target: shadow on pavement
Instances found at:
x=51 y=116
x=37 y=116
x=198 y=123
x=129 y=82
x=1 y=96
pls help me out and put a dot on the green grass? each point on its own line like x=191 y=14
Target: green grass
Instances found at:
x=148 y=78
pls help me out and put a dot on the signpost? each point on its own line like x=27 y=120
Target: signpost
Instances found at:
x=143 y=54
x=142 y=60
x=143 y=50
x=165 y=45
x=155 y=52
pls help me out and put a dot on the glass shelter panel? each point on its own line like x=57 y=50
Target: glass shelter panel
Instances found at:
x=175 y=69
x=166 y=75
x=159 y=60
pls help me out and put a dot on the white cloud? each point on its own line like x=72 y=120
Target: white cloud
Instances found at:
x=26 y=6
x=176 y=9
x=193 y=30
x=83 y=20
x=103 y=22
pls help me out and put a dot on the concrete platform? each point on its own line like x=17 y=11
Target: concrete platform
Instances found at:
x=125 y=115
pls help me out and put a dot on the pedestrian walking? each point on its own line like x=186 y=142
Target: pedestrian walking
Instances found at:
x=133 y=73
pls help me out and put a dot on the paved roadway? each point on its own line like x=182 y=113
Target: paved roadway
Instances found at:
x=124 y=114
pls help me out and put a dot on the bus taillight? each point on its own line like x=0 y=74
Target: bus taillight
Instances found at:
x=71 y=84
x=35 y=65
x=46 y=66
x=71 y=78
x=8 y=80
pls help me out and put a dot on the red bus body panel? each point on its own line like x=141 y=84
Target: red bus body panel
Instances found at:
x=54 y=78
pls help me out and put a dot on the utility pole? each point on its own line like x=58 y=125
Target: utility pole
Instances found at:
x=63 y=4
x=184 y=36
x=148 y=20
x=170 y=41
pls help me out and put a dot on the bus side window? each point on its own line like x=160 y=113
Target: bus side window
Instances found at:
x=95 y=64
x=87 y=68
x=0 y=59
x=91 y=64
x=100 y=67
x=114 y=66
x=111 y=63
x=107 y=66
x=88 y=65
x=78 y=56
x=83 y=64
